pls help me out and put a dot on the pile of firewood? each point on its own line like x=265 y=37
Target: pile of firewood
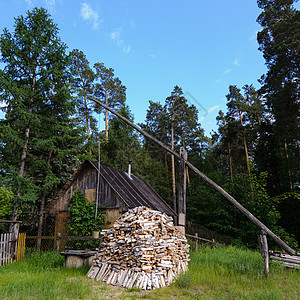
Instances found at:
x=143 y=249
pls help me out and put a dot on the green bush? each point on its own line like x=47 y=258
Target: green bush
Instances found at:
x=82 y=216
x=82 y=221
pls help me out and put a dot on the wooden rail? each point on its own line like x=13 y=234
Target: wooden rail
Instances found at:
x=75 y=238
x=33 y=237
x=78 y=238
x=197 y=238
x=289 y=261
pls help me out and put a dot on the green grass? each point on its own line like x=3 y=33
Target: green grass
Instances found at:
x=42 y=276
x=233 y=273
x=220 y=273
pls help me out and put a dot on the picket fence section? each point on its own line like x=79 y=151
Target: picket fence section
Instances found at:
x=7 y=248
x=21 y=246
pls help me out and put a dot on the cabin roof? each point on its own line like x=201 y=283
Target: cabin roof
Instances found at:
x=134 y=191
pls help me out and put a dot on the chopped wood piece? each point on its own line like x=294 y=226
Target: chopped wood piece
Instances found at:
x=143 y=249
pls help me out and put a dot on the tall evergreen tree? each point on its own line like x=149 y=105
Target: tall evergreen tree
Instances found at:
x=237 y=108
x=83 y=85
x=110 y=89
x=279 y=41
x=176 y=124
x=37 y=130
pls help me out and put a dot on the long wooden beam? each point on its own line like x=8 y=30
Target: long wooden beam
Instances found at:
x=240 y=207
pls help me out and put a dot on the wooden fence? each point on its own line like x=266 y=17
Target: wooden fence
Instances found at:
x=21 y=246
x=58 y=242
x=7 y=248
x=200 y=239
x=289 y=261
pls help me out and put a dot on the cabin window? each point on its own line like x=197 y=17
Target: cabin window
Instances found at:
x=90 y=195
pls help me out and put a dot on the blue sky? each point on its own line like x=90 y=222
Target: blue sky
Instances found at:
x=201 y=46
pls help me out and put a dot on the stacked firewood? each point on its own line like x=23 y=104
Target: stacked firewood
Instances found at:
x=142 y=249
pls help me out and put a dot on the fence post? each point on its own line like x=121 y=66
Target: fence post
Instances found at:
x=263 y=247
x=57 y=241
x=196 y=242
x=1 y=248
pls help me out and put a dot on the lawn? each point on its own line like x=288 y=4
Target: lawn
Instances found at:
x=220 y=273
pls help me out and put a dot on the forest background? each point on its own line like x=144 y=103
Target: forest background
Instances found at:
x=51 y=125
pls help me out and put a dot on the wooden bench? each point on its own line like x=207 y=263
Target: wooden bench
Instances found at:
x=78 y=258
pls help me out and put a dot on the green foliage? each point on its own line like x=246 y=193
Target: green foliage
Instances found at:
x=279 y=41
x=6 y=196
x=39 y=135
x=81 y=220
x=82 y=87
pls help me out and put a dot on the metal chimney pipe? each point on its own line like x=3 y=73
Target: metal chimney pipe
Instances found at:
x=129 y=168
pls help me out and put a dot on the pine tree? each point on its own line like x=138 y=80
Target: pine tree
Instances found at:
x=279 y=41
x=83 y=86
x=110 y=89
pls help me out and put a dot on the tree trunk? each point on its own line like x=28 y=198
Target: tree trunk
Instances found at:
x=187 y=169
x=230 y=162
x=289 y=170
x=246 y=155
x=86 y=116
x=106 y=115
x=41 y=220
x=188 y=180
x=42 y=207
x=173 y=167
x=167 y=172
x=245 y=146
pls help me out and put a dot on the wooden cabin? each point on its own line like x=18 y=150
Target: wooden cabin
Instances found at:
x=118 y=191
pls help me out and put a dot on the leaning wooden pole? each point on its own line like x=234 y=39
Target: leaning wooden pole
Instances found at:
x=240 y=207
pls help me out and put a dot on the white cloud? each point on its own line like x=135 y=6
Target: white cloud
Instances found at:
x=126 y=49
x=227 y=71
x=211 y=109
x=116 y=38
x=29 y=3
x=88 y=14
x=237 y=62
x=221 y=77
x=132 y=24
x=48 y=4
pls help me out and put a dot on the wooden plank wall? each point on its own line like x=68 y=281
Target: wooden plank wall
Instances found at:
x=84 y=183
